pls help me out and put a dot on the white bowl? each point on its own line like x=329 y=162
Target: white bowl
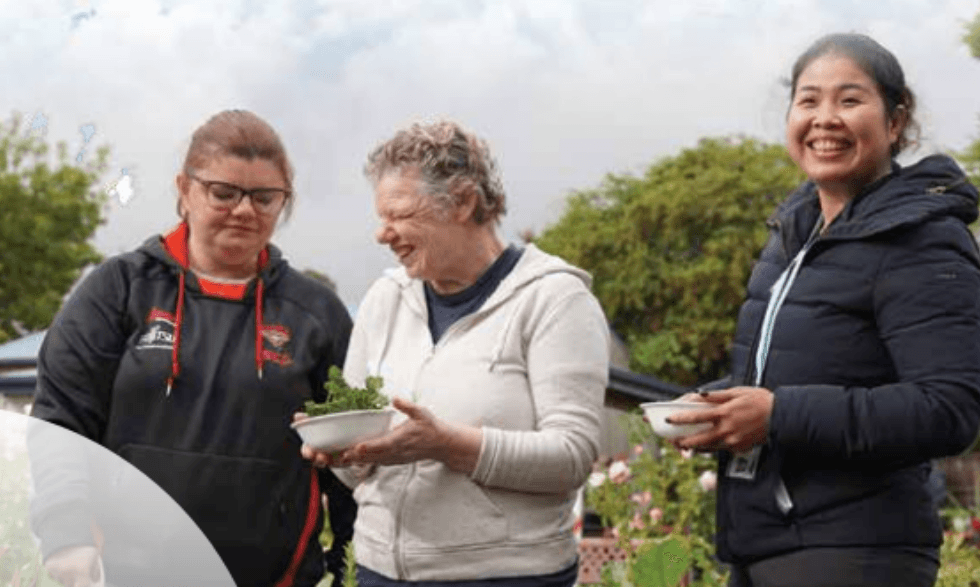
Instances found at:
x=658 y=412
x=334 y=432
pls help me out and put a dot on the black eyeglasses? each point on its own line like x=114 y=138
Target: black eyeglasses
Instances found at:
x=226 y=196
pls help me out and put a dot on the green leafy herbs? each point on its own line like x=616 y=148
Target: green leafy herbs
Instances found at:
x=343 y=398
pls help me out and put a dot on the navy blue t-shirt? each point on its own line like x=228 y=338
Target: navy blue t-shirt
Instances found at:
x=444 y=311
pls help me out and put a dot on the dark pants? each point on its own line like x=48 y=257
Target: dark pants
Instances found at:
x=842 y=567
x=566 y=578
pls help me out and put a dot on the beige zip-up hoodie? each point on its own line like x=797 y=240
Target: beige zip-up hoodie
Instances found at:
x=530 y=367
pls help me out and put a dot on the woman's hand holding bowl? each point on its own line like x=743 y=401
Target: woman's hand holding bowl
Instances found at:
x=422 y=436
x=741 y=417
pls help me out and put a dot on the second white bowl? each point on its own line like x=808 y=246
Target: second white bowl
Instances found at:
x=658 y=412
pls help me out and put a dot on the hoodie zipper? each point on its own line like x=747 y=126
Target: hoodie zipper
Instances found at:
x=399 y=547
x=399 y=522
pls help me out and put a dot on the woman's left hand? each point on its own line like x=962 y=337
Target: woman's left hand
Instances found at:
x=741 y=416
x=421 y=436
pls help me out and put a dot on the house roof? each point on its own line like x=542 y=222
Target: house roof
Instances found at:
x=26 y=347
x=18 y=364
x=626 y=389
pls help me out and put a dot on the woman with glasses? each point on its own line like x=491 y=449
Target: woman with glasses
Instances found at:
x=856 y=358
x=188 y=356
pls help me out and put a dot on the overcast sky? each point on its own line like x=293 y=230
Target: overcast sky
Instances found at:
x=565 y=91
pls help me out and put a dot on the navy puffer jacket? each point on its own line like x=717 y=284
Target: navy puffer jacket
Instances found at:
x=874 y=363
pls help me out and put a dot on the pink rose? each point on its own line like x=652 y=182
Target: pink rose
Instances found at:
x=638 y=449
x=687 y=453
x=708 y=480
x=597 y=479
x=637 y=522
x=656 y=514
x=619 y=472
x=641 y=499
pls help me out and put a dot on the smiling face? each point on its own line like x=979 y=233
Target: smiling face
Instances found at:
x=226 y=243
x=838 y=130
x=422 y=236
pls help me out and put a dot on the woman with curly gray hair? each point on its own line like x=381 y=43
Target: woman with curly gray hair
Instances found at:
x=497 y=358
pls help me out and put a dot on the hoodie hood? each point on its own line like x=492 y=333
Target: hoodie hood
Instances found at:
x=533 y=264
x=171 y=251
x=931 y=188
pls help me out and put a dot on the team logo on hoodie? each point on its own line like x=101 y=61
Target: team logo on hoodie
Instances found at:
x=278 y=337
x=159 y=331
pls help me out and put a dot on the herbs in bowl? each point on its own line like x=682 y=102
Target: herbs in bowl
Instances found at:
x=344 y=398
x=348 y=416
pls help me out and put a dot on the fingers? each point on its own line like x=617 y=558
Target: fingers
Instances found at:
x=320 y=459
x=95 y=572
x=299 y=417
x=718 y=397
x=374 y=450
x=706 y=441
x=696 y=416
x=410 y=409
x=76 y=566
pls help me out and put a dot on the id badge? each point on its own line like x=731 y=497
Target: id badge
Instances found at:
x=744 y=464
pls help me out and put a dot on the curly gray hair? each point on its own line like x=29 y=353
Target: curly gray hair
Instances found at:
x=450 y=161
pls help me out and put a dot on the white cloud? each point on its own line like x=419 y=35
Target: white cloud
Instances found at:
x=564 y=90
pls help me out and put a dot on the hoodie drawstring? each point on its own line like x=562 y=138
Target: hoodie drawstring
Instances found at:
x=175 y=356
x=259 y=359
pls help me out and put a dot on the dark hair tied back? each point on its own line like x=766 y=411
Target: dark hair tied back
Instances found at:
x=880 y=65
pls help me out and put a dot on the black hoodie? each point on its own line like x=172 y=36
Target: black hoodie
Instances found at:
x=195 y=384
x=874 y=365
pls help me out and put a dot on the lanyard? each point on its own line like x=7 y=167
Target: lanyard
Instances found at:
x=779 y=292
x=744 y=465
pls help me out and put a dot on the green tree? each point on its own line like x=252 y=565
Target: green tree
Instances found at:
x=47 y=216
x=972 y=36
x=970 y=157
x=322 y=278
x=671 y=251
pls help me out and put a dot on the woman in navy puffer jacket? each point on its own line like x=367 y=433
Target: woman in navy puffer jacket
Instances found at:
x=857 y=353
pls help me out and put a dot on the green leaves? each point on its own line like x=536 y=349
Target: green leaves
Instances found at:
x=972 y=36
x=343 y=398
x=661 y=504
x=47 y=217
x=661 y=564
x=670 y=252
x=970 y=157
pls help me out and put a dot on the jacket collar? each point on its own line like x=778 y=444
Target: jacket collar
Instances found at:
x=933 y=187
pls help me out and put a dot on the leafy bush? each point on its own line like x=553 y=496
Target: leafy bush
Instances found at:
x=959 y=556
x=661 y=497
x=20 y=558
x=671 y=251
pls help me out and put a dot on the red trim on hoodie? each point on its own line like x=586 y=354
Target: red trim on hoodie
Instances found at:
x=304 y=538
x=175 y=243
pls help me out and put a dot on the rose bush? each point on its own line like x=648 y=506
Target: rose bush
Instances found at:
x=959 y=555
x=658 y=494
x=662 y=494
